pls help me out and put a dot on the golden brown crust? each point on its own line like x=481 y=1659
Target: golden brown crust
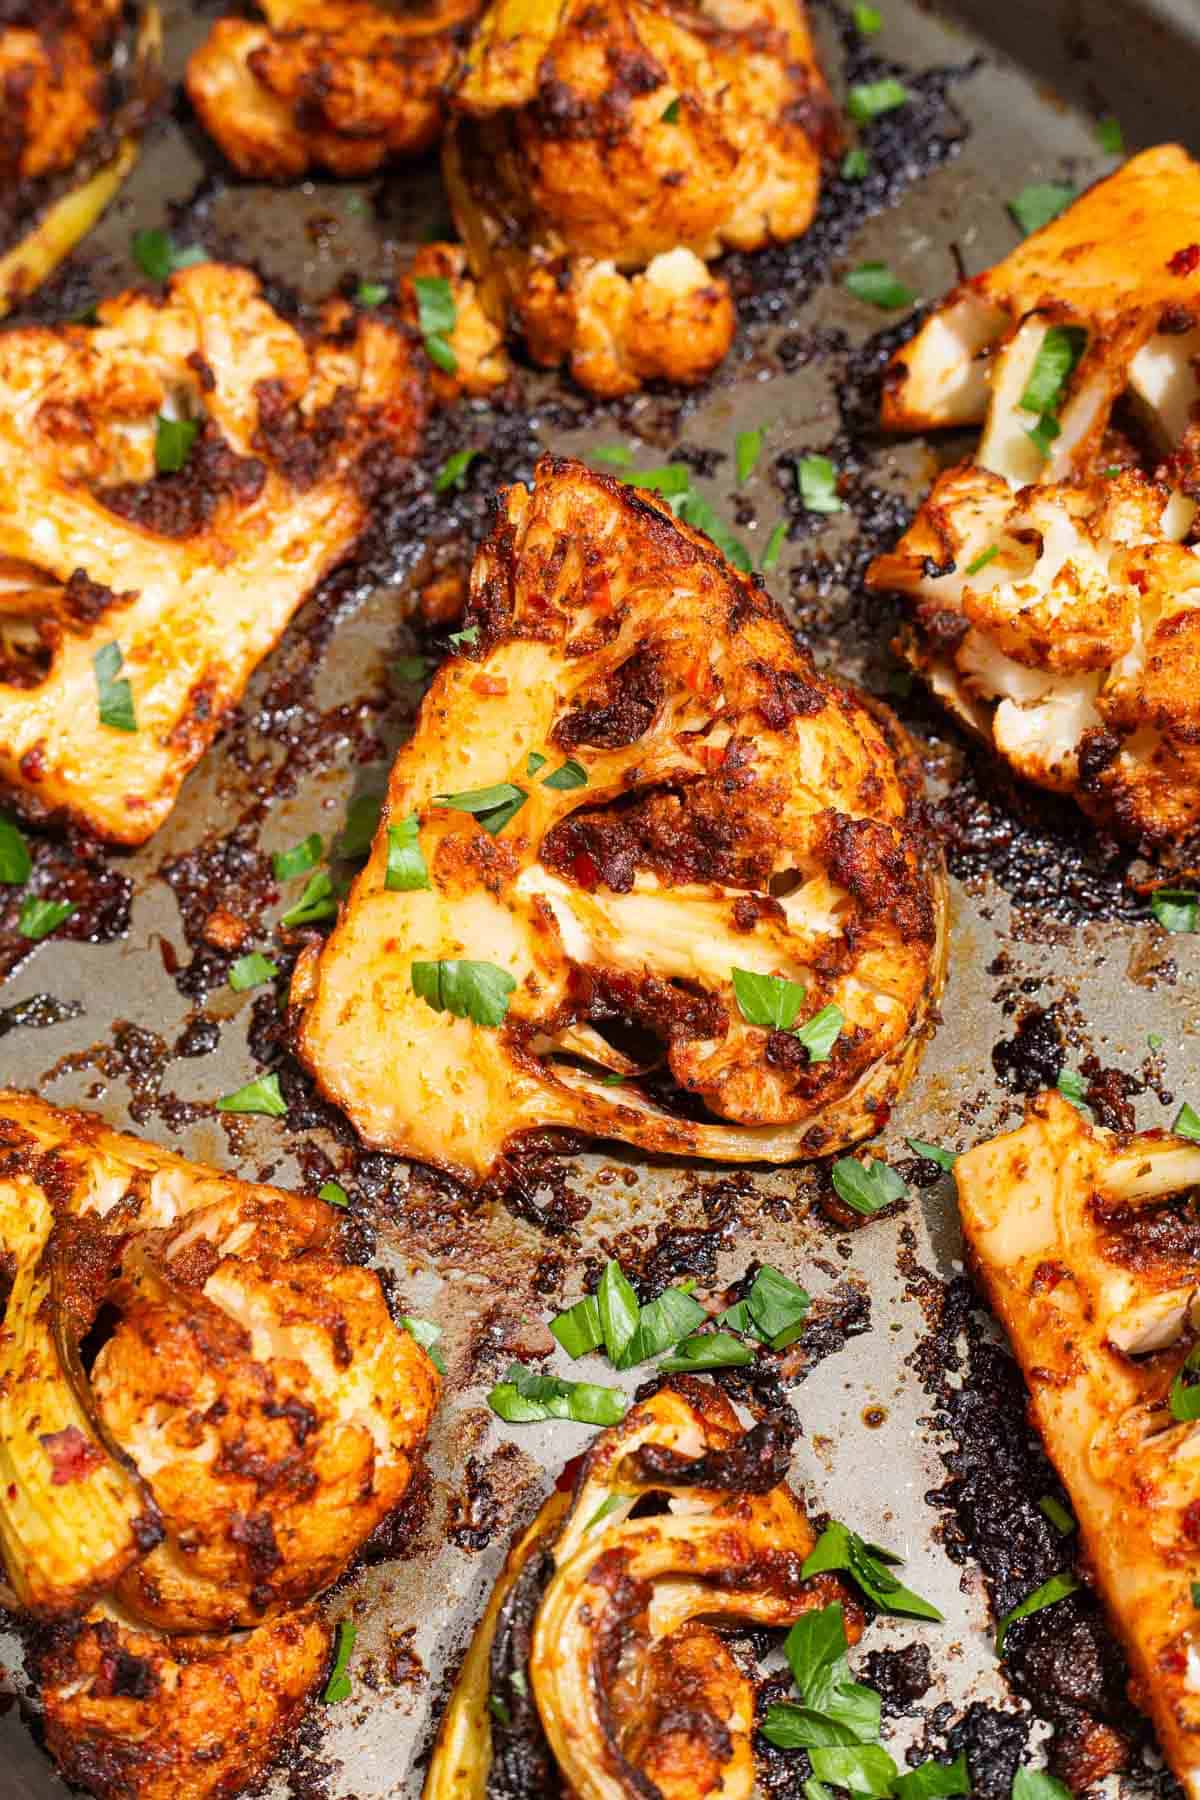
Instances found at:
x=600 y=153
x=603 y=1616
x=96 y=549
x=131 y=1715
x=735 y=809
x=1086 y=1245
x=335 y=84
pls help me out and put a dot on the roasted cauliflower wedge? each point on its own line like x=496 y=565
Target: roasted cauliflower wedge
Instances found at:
x=249 y=1417
x=333 y=84
x=176 y=584
x=597 y=1670
x=1052 y=594
x=628 y=787
x=1086 y=1245
x=1062 y=623
x=599 y=154
x=133 y=1715
x=1122 y=266
x=77 y=84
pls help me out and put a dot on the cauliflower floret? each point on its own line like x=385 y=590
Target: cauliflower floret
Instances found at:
x=105 y=555
x=251 y=1416
x=133 y=1715
x=709 y=803
x=722 y=1537
x=269 y=1404
x=476 y=344
x=1061 y=624
x=333 y=84
x=599 y=154
x=1121 y=267
x=1086 y=1246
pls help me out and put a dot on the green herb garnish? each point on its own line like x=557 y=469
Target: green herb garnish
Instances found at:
x=453 y=472
x=317 y=902
x=1037 y=204
x=871 y=99
x=16 y=864
x=427 y=1334
x=767 y=1000
x=1057 y=1588
x=157 y=254
x=670 y=113
x=572 y=774
x=855 y=164
x=775 y=544
x=173 y=440
x=299 y=858
x=478 y=991
x=866 y=1186
x=114 y=697
x=945 y=1159
x=492 y=806
x=875 y=283
x=747 y=449
x=708 y=1350
x=1056 y=1512
x=333 y=1194
x=524 y=1396
x=261 y=1096
x=816 y=479
x=252 y=971
x=371 y=293
x=1187 y=1123
x=38 y=918
x=406 y=870
x=840 y=1549
x=338 y=1686
x=1175 y=909
x=821 y=1032
x=436 y=316
x=983 y=559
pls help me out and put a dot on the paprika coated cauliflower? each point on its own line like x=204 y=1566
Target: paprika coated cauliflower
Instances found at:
x=342 y=85
x=628 y=785
x=600 y=155
x=1054 y=592
x=1086 y=1242
x=176 y=583
x=250 y=1416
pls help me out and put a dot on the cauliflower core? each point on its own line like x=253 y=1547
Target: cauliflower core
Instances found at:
x=333 y=84
x=691 y=798
x=1053 y=600
x=73 y=103
x=1086 y=1244
x=598 y=156
x=251 y=1416
x=597 y=1640
x=181 y=581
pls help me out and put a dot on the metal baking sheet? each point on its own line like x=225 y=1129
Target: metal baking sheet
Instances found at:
x=1047 y=928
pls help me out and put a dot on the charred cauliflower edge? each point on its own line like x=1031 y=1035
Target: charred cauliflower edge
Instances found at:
x=596 y=1642
x=1054 y=603
x=182 y=581
x=1089 y=1261
x=631 y=785
x=166 y=1519
x=599 y=155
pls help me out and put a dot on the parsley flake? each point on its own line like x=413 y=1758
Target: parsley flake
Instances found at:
x=261 y=1096
x=479 y=991
x=436 y=316
x=821 y=1033
x=1175 y=909
x=983 y=559
x=371 y=293
x=315 y=903
x=855 y=164
x=775 y=544
x=875 y=283
x=493 y=806
x=866 y=1186
x=173 y=440
x=114 y=697
x=252 y=971
x=945 y=1159
x=670 y=113
x=157 y=254
x=1039 y=203
x=301 y=857
x=1187 y=1123
x=16 y=864
x=406 y=870
x=453 y=472
x=1057 y=1588
x=816 y=479
x=747 y=448
x=572 y=774
x=38 y=918
x=338 y=1686
x=869 y=100
x=333 y=1194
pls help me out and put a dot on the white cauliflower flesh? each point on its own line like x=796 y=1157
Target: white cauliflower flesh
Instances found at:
x=600 y=155
x=1063 y=624
x=1119 y=272
x=601 y=1625
x=251 y=1416
x=629 y=787
x=173 y=484
x=1086 y=1245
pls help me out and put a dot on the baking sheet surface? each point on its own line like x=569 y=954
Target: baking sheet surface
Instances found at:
x=1036 y=922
